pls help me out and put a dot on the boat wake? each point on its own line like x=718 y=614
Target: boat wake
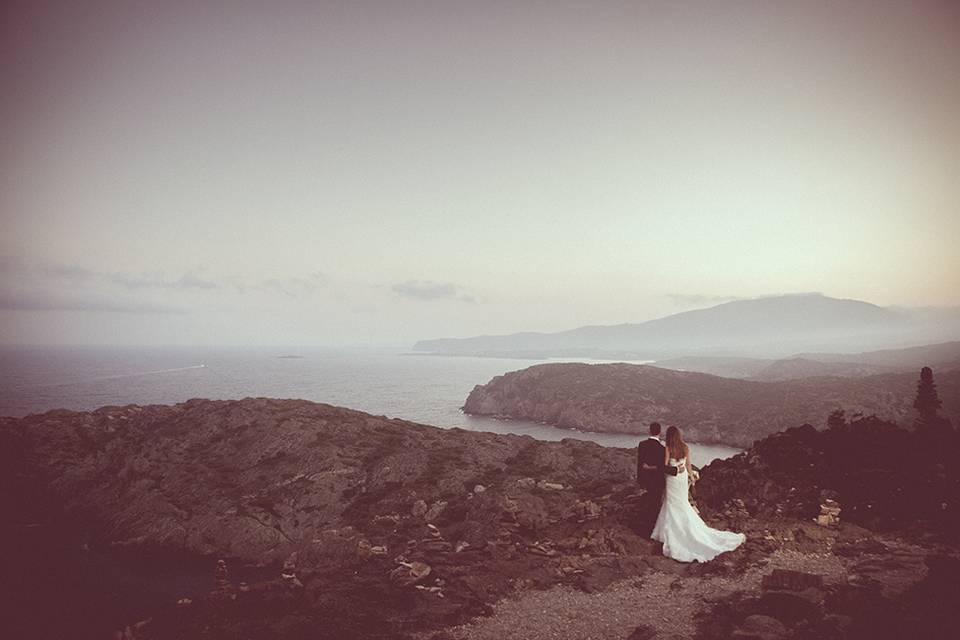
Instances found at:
x=129 y=375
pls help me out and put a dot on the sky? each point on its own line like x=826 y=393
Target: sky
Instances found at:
x=374 y=173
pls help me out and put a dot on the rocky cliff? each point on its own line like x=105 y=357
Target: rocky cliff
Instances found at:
x=333 y=523
x=624 y=398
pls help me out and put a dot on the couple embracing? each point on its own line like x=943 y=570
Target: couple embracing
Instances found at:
x=667 y=514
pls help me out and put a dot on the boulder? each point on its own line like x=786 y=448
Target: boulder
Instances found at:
x=643 y=632
x=435 y=510
x=409 y=573
x=550 y=486
x=790 y=607
x=789 y=580
x=760 y=627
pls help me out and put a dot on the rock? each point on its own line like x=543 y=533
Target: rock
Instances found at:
x=550 y=486
x=643 y=632
x=584 y=510
x=829 y=514
x=435 y=510
x=789 y=580
x=434 y=545
x=363 y=548
x=438 y=591
x=220 y=579
x=527 y=511
x=791 y=607
x=542 y=549
x=366 y=550
x=760 y=627
x=418 y=509
x=834 y=626
x=409 y=573
x=290 y=564
x=479 y=488
x=289 y=575
x=784 y=476
x=857 y=602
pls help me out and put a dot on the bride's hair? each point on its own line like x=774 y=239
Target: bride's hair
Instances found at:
x=675 y=444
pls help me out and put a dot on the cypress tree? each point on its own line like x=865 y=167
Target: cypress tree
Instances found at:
x=927 y=402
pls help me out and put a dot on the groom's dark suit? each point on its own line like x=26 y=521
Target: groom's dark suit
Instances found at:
x=651 y=452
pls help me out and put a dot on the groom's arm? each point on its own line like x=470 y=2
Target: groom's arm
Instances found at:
x=643 y=461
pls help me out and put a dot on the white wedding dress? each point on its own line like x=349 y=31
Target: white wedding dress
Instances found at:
x=684 y=534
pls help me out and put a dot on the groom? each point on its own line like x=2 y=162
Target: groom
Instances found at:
x=650 y=475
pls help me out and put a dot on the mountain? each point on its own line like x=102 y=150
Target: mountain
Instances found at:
x=942 y=356
x=774 y=326
x=625 y=398
x=725 y=366
x=930 y=355
x=793 y=368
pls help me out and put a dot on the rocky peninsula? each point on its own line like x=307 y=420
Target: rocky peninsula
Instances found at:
x=625 y=398
x=305 y=520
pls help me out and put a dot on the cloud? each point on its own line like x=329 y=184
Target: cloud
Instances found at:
x=189 y=280
x=48 y=273
x=430 y=290
x=31 y=286
x=35 y=300
x=43 y=286
x=293 y=286
x=66 y=272
x=56 y=272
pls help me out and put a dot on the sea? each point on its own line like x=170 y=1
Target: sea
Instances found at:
x=391 y=382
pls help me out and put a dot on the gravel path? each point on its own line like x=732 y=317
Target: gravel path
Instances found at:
x=665 y=601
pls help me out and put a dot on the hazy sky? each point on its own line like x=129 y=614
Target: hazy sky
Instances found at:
x=373 y=173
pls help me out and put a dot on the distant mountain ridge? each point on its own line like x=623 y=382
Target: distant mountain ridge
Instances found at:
x=774 y=326
x=943 y=356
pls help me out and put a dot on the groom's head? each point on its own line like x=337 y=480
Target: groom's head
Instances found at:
x=655 y=428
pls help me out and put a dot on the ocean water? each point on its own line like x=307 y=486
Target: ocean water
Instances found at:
x=393 y=383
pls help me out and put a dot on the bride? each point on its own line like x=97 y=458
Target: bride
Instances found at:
x=684 y=534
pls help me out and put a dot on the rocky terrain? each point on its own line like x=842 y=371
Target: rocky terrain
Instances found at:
x=624 y=398
x=385 y=526
x=332 y=523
